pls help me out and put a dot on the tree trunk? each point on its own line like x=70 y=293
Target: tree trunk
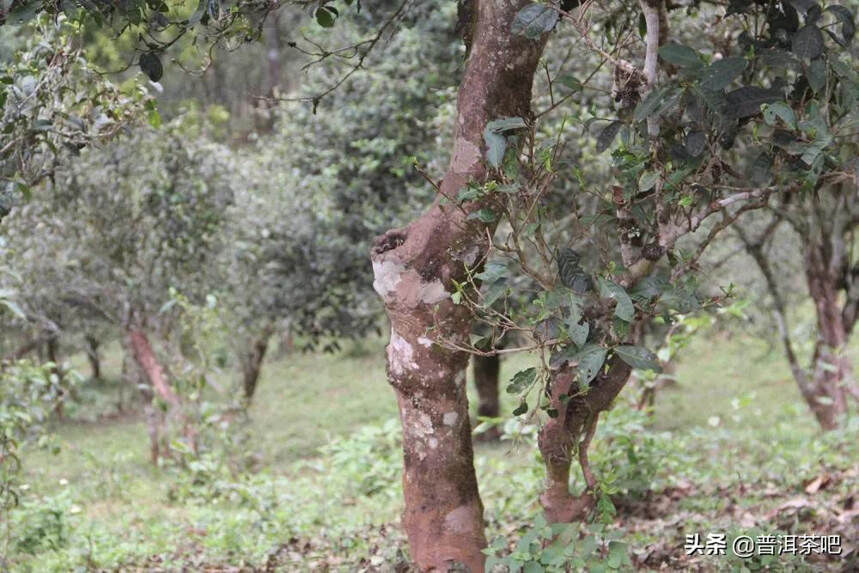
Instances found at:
x=486 y=369
x=52 y=348
x=145 y=358
x=559 y=438
x=93 y=356
x=826 y=393
x=415 y=269
x=252 y=364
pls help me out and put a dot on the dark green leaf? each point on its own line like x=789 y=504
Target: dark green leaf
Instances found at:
x=808 y=42
x=484 y=215
x=570 y=82
x=150 y=64
x=588 y=362
x=607 y=135
x=577 y=332
x=816 y=74
x=760 y=170
x=721 y=73
x=326 y=15
x=496 y=142
x=848 y=25
x=779 y=110
x=696 y=143
x=746 y=101
x=679 y=55
x=521 y=408
x=522 y=380
x=568 y=265
x=624 y=309
x=534 y=20
x=648 y=180
x=638 y=357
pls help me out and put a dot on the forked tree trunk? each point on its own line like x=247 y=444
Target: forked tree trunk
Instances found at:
x=486 y=370
x=415 y=268
x=145 y=358
x=252 y=360
x=826 y=393
x=570 y=432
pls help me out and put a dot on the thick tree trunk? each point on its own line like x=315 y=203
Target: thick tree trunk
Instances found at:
x=415 y=268
x=252 y=364
x=571 y=431
x=92 y=354
x=826 y=393
x=486 y=370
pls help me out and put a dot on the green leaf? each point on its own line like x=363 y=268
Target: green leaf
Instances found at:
x=747 y=100
x=578 y=333
x=779 y=110
x=816 y=74
x=484 y=215
x=696 y=143
x=570 y=82
x=721 y=73
x=496 y=142
x=522 y=380
x=534 y=20
x=150 y=64
x=588 y=361
x=493 y=271
x=638 y=357
x=326 y=16
x=679 y=55
x=568 y=265
x=618 y=554
x=808 y=42
x=848 y=25
x=656 y=103
x=648 y=180
x=607 y=135
x=624 y=309
x=521 y=408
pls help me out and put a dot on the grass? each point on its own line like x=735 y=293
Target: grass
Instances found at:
x=732 y=431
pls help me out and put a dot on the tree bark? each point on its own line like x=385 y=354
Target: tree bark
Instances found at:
x=52 y=348
x=252 y=364
x=92 y=345
x=826 y=395
x=486 y=369
x=570 y=432
x=145 y=358
x=415 y=268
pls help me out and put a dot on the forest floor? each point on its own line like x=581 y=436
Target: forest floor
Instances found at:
x=730 y=449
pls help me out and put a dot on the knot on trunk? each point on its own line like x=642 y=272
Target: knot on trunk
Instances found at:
x=389 y=241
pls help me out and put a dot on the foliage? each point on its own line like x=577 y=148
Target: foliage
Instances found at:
x=53 y=105
x=29 y=395
x=559 y=547
x=124 y=225
x=371 y=455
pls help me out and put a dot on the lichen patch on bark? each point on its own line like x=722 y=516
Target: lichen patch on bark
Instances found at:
x=400 y=354
x=387 y=275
